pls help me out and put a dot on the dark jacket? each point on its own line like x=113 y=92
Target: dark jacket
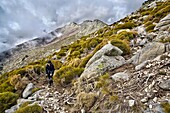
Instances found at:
x=49 y=69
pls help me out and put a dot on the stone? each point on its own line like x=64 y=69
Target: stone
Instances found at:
x=165 y=85
x=102 y=65
x=120 y=76
x=141 y=66
x=155 y=108
x=155 y=99
x=145 y=99
x=143 y=42
x=28 y=90
x=131 y=103
x=149 y=52
x=164 y=24
x=12 y=109
x=108 y=50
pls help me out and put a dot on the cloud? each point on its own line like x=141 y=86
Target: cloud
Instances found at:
x=24 y=19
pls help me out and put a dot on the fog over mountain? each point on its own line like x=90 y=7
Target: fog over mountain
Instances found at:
x=22 y=20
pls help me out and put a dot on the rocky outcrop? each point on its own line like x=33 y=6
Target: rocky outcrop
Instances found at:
x=28 y=90
x=105 y=59
x=164 y=24
x=108 y=50
x=150 y=51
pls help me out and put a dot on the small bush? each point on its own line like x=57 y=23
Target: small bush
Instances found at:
x=6 y=86
x=30 y=109
x=125 y=35
x=14 y=79
x=67 y=74
x=127 y=25
x=148 y=23
x=7 y=100
x=150 y=28
x=122 y=44
x=163 y=12
x=38 y=69
x=75 y=62
x=93 y=43
x=166 y=107
x=57 y=64
x=85 y=60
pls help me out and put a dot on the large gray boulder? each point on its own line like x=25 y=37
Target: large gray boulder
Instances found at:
x=150 y=51
x=164 y=24
x=105 y=59
x=28 y=90
x=108 y=50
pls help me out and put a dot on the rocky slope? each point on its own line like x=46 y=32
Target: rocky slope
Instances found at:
x=121 y=68
x=36 y=48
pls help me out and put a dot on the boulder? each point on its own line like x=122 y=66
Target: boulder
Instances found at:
x=165 y=85
x=164 y=24
x=120 y=76
x=103 y=64
x=28 y=90
x=141 y=66
x=150 y=51
x=108 y=50
x=12 y=109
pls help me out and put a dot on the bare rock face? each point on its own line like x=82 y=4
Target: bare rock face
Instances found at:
x=150 y=51
x=105 y=59
x=164 y=24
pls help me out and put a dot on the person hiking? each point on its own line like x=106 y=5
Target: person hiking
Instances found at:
x=49 y=72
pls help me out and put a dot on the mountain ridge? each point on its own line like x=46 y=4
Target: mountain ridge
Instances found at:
x=120 y=68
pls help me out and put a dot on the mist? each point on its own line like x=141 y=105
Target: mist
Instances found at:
x=23 y=20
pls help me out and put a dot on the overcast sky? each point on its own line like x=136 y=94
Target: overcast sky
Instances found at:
x=21 y=20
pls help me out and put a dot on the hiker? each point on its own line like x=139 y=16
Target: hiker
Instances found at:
x=50 y=71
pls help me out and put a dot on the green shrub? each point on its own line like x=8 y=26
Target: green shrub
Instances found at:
x=163 y=12
x=122 y=44
x=166 y=107
x=85 y=60
x=7 y=100
x=30 y=109
x=14 y=79
x=75 y=62
x=61 y=53
x=124 y=35
x=6 y=86
x=150 y=28
x=93 y=43
x=57 y=64
x=67 y=74
x=38 y=69
x=127 y=25
x=148 y=23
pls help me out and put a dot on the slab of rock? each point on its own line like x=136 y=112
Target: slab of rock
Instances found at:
x=107 y=58
x=12 y=109
x=165 y=85
x=28 y=90
x=108 y=50
x=141 y=66
x=120 y=76
x=131 y=103
x=164 y=24
x=101 y=65
x=150 y=51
